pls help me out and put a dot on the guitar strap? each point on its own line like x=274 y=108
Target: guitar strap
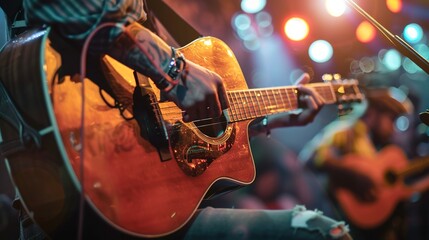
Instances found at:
x=181 y=31
x=26 y=134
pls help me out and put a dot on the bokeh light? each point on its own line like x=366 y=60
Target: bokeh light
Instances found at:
x=413 y=33
x=394 y=6
x=365 y=32
x=402 y=123
x=253 y=6
x=320 y=51
x=241 y=21
x=335 y=8
x=296 y=29
x=410 y=67
x=391 y=59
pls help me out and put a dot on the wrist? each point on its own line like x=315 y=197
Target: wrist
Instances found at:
x=175 y=69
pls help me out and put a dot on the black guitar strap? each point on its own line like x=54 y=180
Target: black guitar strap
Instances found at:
x=26 y=134
x=181 y=31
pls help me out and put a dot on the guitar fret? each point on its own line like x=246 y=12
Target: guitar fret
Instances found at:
x=231 y=109
x=260 y=101
x=266 y=102
x=289 y=97
x=275 y=99
x=270 y=104
x=248 y=104
x=243 y=105
x=238 y=103
x=283 y=104
x=292 y=93
x=236 y=109
x=254 y=104
x=334 y=98
x=285 y=99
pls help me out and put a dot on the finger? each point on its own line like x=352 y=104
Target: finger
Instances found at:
x=303 y=79
x=190 y=115
x=311 y=103
x=311 y=92
x=214 y=109
x=222 y=97
x=185 y=117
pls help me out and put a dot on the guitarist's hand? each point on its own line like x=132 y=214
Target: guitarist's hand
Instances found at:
x=200 y=94
x=313 y=101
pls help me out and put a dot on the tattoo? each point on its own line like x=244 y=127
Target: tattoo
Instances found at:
x=142 y=51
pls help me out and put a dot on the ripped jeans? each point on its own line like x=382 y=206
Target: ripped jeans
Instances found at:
x=235 y=224
x=298 y=223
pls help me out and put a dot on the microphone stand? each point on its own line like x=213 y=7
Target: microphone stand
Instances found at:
x=400 y=45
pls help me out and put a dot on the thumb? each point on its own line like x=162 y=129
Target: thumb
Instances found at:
x=303 y=79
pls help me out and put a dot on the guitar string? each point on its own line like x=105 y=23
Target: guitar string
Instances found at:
x=263 y=94
x=280 y=110
x=245 y=106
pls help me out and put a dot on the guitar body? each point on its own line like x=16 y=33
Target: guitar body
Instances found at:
x=372 y=214
x=129 y=183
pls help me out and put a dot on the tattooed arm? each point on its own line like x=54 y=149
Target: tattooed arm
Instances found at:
x=201 y=94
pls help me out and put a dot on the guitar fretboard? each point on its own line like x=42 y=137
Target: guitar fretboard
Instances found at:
x=253 y=103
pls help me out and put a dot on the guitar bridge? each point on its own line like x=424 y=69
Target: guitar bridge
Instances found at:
x=146 y=112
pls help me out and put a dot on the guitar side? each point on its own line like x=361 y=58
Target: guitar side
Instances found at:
x=372 y=214
x=125 y=181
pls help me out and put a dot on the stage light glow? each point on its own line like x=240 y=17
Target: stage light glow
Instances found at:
x=263 y=19
x=252 y=45
x=423 y=49
x=413 y=33
x=265 y=26
x=365 y=32
x=394 y=6
x=248 y=34
x=391 y=59
x=410 y=67
x=367 y=64
x=335 y=8
x=320 y=51
x=398 y=94
x=296 y=29
x=402 y=123
x=253 y=6
x=241 y=21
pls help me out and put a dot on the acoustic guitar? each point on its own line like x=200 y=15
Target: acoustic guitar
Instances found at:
x=144 y=181
x=387 y=170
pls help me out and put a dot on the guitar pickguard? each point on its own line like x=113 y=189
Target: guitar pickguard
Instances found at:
x=195 y=151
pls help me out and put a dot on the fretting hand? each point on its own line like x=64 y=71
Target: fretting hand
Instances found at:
x=313 y=101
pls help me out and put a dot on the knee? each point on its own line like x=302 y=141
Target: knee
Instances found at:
x=314 y=222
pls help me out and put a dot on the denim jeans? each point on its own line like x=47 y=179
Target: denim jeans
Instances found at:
x=224 y=223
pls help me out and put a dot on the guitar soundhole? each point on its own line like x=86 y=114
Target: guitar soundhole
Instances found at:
x=213 y=127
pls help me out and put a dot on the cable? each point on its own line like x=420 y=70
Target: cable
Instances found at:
x=84 y=53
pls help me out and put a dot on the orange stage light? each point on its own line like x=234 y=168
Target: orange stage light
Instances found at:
x=365 y=32
x=394 y=6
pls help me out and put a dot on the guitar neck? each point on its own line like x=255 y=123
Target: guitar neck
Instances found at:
x=414 y=166
x=254 y=103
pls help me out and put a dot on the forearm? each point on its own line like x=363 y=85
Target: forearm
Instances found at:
x=143 y=51
x=266 y=124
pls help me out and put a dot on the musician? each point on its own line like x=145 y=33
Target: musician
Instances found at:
x=197 y=91
x=363 y=133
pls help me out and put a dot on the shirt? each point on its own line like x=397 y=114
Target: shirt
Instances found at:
x=76 y=19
